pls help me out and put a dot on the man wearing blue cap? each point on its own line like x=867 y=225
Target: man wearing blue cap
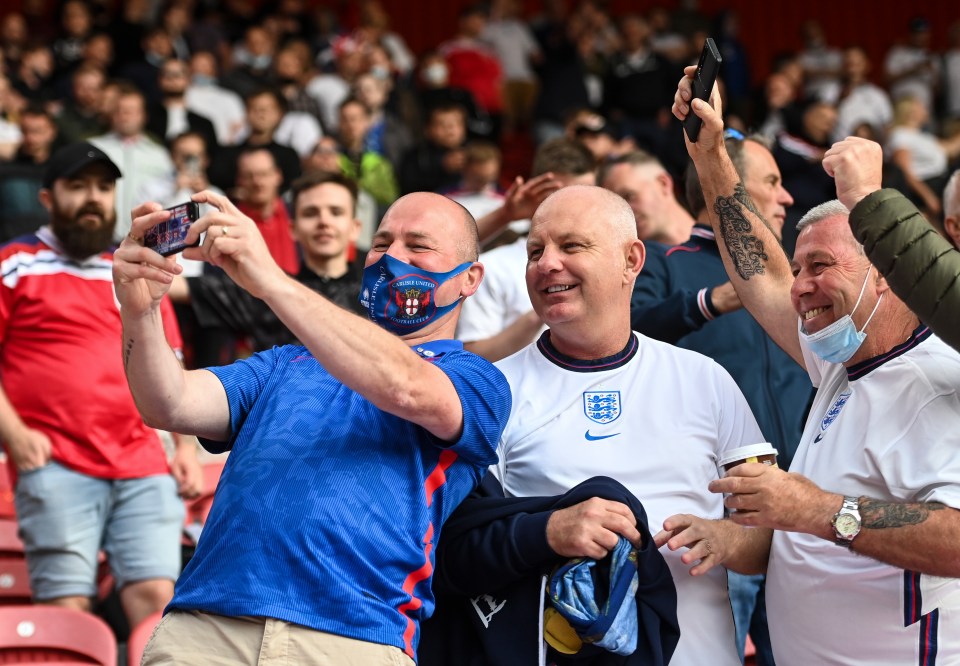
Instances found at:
x=92 y=475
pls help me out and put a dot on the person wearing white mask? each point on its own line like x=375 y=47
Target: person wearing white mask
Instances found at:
x=866 y=531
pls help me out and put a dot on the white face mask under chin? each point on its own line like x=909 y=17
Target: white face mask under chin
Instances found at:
x=838 y=342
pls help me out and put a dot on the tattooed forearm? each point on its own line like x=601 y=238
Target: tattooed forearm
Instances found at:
x=740 y=194
x=746 y=250
x=127 y=350
x=878 y=515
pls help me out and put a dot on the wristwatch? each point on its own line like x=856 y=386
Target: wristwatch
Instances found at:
x=846 y=522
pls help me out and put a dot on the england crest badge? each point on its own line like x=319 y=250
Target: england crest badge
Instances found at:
x=601 y=406
x=832 y=414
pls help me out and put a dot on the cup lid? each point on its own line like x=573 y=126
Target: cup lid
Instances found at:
x=748 y=451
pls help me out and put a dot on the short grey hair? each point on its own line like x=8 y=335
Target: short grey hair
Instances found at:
x=823 y=211
x=951 y=196
x=827 y=210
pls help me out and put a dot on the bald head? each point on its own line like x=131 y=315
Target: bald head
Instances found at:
x=439 y=213
x=595 y=205
x=583 y=257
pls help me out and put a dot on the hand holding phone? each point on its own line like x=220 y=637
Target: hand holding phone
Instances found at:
x=703 y=81
x=167 y=237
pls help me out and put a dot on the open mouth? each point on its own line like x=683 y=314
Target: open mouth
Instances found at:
x=558 y=288
x=815 y=312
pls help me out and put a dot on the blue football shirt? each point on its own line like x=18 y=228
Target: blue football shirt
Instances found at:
x=328 y=509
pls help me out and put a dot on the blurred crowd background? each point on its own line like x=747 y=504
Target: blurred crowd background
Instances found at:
x=245 y=96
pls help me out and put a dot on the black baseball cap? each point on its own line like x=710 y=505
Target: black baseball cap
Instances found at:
x=593 y=124
x=73 y=158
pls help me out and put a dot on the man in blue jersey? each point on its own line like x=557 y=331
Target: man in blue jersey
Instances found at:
x=347 y=453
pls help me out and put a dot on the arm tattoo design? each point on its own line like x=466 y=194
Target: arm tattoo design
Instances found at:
x=127 y=349
x=878 y=515
x=746 y=250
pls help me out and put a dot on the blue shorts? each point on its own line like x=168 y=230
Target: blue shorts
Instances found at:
x=67 y=517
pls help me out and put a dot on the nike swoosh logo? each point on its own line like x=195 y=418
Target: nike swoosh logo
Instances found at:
x=594 y=438
x=819 y=437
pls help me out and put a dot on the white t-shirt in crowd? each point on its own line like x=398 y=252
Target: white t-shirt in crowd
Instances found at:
x=502 y=297
x=656 y=419
x=887 y=428
x=927 y=157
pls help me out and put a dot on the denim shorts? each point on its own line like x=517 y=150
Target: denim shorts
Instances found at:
x=67 y=517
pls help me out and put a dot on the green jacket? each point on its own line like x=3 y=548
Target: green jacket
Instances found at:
x=375 y=176
x=921 y=267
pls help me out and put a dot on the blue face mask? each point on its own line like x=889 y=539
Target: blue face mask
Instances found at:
x=838 y=342
x=402 y=298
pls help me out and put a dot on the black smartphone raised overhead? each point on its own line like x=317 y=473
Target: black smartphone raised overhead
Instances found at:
x=703 y=80
x=167 y=237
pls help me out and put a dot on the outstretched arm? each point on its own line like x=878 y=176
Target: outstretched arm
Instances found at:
x=168 y=397
x=921 y=267
x=917 y=536
x=756 y=263
x=363 y=356
x=520 y=203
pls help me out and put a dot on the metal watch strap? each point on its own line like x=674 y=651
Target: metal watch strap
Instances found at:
x=851 y=505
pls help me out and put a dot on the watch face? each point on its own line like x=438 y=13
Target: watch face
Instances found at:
x=847 y=525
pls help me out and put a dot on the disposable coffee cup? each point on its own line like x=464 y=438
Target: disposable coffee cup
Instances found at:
x=763 y=453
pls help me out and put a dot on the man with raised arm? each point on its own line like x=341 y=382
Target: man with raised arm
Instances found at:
x=866 y=545
x=347 y=453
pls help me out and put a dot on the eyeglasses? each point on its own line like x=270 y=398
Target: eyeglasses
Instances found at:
x=731 y=133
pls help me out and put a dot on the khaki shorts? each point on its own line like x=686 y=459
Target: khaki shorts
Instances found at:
x=186 y=638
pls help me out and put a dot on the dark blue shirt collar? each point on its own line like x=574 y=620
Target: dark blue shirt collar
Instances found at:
x=619 y=359
x=865 y=367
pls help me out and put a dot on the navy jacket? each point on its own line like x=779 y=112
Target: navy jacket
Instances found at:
x=490 y=565
x=671 y=302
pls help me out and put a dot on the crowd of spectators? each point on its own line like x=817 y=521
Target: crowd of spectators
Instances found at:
x=185 y=96
x=296 y=79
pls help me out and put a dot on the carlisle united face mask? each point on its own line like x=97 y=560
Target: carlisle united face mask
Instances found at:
x=838 y=342
x=402 y=298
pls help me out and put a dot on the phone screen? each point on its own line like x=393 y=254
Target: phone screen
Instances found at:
x=167 y=237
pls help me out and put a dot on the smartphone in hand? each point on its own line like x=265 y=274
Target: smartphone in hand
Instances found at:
x=703 y=80
x=167 y=237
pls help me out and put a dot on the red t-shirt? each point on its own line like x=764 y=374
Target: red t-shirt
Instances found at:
x=476 y=68
x=61 y=363
x=277 y=234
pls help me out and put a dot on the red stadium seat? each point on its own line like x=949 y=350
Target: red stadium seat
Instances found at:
x=7 y=510
x=139 y=637
x=14 y=581
x=199 y=508
x=52 y=635
x=10 y=543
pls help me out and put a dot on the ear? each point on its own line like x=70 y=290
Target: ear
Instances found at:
x=636 y=255
x=881 y=282
x=951 y=227
x=45 y=197
x=472 y=277
x=665 y=182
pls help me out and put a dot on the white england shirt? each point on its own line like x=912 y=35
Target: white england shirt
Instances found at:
x=887 y=428
x=656 y=418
